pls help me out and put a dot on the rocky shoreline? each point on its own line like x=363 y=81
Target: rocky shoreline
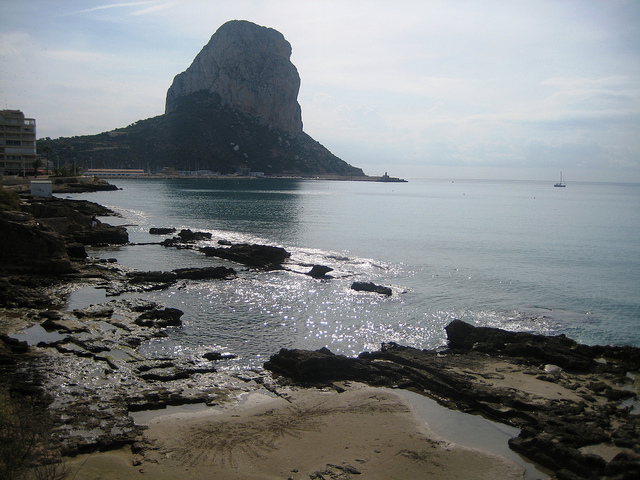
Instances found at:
x=85 y=369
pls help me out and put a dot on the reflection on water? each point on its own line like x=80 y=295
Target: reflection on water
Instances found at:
x=36 y=334
x=264 y=208
x=517 y=255
x=470 y=431
x=85 y=297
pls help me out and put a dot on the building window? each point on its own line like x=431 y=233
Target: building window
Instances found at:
x=15 y=143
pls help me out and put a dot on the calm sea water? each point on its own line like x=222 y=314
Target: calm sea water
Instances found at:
x=516 y=255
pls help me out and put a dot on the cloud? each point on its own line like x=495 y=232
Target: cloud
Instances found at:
x=111 y=6
x=155 y=8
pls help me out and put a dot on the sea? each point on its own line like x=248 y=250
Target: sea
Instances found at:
x=518 y=255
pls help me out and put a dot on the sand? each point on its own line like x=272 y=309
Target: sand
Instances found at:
x=362 y=432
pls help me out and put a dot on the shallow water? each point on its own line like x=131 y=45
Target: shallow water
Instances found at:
x=471 y=431
x=516 y=255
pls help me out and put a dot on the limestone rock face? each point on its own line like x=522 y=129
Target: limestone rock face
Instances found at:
x=248 y=66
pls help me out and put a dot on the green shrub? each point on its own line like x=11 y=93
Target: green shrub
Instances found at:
x=27 y=449
x=9 y=200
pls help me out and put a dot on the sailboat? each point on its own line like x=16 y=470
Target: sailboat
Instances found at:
x=560 y=183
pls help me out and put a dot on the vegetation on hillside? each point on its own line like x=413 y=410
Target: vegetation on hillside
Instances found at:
x=201 y=134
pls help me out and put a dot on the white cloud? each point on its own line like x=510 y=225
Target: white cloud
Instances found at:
x=111 y=6
x=155 y=8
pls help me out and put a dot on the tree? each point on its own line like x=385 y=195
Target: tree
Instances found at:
x=37 y=163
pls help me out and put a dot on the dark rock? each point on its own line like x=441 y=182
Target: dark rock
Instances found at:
x=50 y=314
x=624 y=466
x=29 y=291
x=204 y=273
x=81 y=184
x=152 y=277
x=189 y=236
x=103 y=234
x=319 y=271
x=316 y=366
x=160 y=318
x=65 y=326
x=627 y=435
x=550 y=453
x=73 y=220
x=27 y=246
x=535 y=349
x=165 y=375
x=256 y=256
x=76 y=250
x=161 y=231
x=15 y=345
x=214 y=356
x=371 y=287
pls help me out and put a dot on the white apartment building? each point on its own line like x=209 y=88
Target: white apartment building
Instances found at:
x=17 y=143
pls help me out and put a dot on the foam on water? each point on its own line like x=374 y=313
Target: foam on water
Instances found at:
x=515 y=255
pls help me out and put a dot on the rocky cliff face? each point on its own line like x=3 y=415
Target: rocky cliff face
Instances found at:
x=234 y=110
x=249 y=68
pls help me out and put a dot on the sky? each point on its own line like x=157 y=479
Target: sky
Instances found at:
x=495 y=89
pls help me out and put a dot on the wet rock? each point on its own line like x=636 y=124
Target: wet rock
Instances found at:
x=160 y=318
x=552 y=454
x=371 y=287
x=215 y=356
x=535 y=349
x=94 y=311
x=319 y=271
x=73 y=219
x=67 y=325
x=319 y=366
x=204 y=273
x=161 y=231
x=152 y=277
x=14 y=345
x=30 y=291
x=256 y=256
x=190 y=236
x=103 y=234
x=164 y=375
x=50 y=314
x=28 y=246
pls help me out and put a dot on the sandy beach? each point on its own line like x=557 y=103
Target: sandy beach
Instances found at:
x=362 y=432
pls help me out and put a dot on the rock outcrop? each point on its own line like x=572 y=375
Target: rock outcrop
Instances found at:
x=494 y=372
x=264 y=257
x=27 y=246
x=233 y=111
x=248 y=66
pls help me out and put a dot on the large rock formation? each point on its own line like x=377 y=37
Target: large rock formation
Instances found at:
x=248 y=66
x=234 y=110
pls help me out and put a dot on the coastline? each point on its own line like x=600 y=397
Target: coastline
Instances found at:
x=99 y=334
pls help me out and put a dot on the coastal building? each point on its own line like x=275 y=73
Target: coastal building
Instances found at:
x=114 y=172
x=17 y=143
